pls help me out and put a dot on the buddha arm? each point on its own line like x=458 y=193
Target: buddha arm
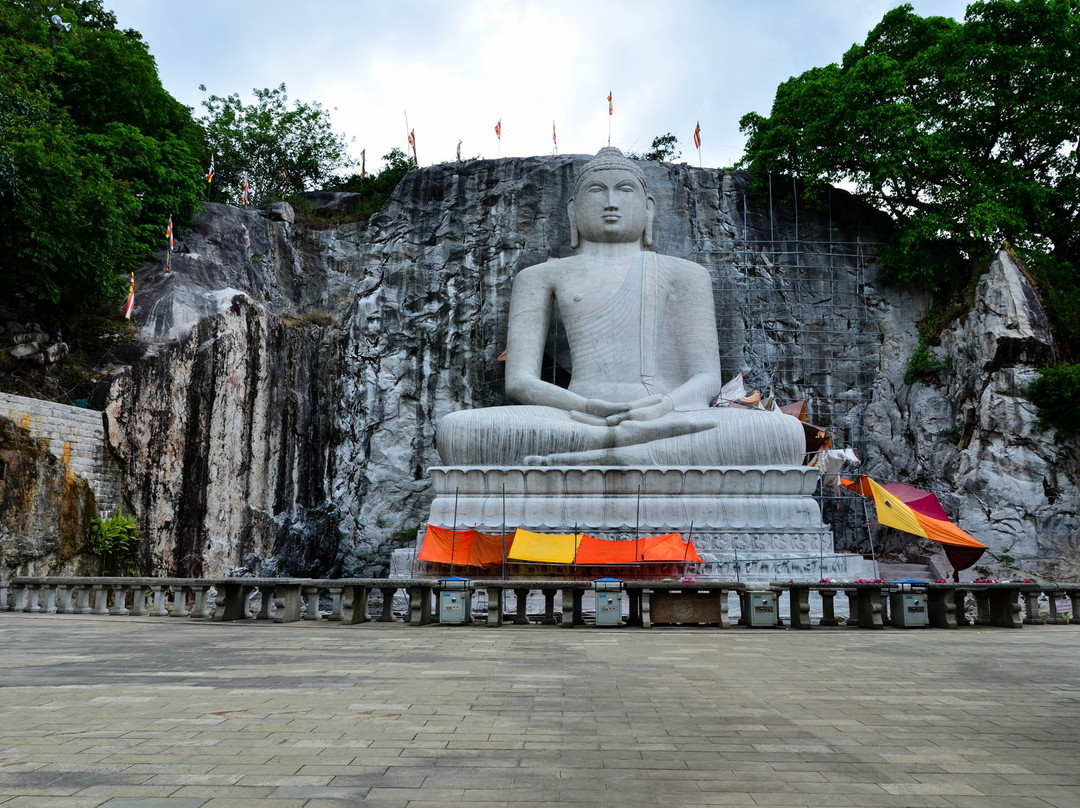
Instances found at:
x=697 y=341
x=530 y=316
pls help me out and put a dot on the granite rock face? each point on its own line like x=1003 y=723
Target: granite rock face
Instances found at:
x=282 y=398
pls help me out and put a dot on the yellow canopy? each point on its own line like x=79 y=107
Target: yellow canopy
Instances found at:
x=544 y=548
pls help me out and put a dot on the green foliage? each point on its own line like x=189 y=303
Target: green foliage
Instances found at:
x=964 y=132
x=259 y=140
x=1055 y=392
x=664 y=149
x=94 y=154
x=376 y=188
x=925 y=366
x=118 y=541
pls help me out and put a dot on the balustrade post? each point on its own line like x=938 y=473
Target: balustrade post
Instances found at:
x=159 y=596
x=82 y=599
x=420 y=605
x=63 y=599
x=941 y=608
x=1004 y=603
x=179 y=604
x=138 y=600
x=387 y=615
x=1031 y=608
x=119 y=606
x=495 y=606
x=799 y=602
x=828 y=608
x=33 y=594
x=521 y=616
x=356 y=603
x=101 y=599
x=311 y=602
x=549 y=607
x=337 y=603
x=287 y=601
x=4 y=592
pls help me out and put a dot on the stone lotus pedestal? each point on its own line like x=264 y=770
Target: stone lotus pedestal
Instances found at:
x=749 y=522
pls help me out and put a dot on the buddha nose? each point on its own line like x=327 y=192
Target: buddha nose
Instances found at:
x=611 y=201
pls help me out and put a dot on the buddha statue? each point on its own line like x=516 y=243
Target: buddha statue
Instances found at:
x=645 y=361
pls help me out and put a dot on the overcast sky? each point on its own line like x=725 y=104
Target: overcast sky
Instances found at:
x=456 y=67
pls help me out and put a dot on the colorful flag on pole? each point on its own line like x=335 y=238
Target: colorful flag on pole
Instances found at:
x=554 y=140
x=498 y=129
x=131 y=298
x=363 y=163
x=459 y=150
x=210 y=173
x=284 y=172
x=610 y=105
x=697 y=136
x=169 y=239
x=244 y=192
x=412 y=145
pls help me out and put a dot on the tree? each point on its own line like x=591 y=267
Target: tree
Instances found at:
x=966 y=133
x=281 y=150
x=664 y=149
x=94 y=154
x=376 y=188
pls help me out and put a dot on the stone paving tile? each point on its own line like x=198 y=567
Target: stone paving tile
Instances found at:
x=97 y=710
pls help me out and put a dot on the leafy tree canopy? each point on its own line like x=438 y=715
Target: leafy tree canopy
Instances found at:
x=376 y=188
x=665 y=149
x=281 y=149
x=966 y=133
x=94 y=154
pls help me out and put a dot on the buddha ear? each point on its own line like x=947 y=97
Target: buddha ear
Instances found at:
x=650 y=209
x=573 y=224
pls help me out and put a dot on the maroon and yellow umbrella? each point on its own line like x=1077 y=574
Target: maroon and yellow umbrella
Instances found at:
x=919 y=512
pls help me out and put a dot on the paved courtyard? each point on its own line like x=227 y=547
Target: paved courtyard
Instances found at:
x=132 y=712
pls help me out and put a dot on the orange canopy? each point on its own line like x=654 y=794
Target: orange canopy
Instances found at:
x=465 y=548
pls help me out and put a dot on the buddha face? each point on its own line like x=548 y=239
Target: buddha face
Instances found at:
x=611 y=207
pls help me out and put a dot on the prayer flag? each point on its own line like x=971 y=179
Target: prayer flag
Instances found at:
x=363 y=163
x=412 y=144
x=498 y=129
x=131 y=298
x=459 y=151
x=610 y=105
x=169 y=239
x=554 y=140
x=284 y=173
x=210 y=173
x=244 y=192
x=697 y=136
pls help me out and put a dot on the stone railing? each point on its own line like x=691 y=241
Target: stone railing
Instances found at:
x=686 y=602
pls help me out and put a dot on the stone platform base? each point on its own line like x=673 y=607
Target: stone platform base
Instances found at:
x=737 y=508
x=747 y=522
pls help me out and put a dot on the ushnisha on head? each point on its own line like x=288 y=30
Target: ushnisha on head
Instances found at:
x=611 y=202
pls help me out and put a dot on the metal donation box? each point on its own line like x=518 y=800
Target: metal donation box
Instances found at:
x=455 y=600
x=608 y=601
x=759 y=609
x=908 y=608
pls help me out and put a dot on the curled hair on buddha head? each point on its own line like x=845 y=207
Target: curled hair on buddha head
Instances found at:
x=610 y=158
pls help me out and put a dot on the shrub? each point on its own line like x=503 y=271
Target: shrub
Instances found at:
x=1055 y=393
x=118 y=541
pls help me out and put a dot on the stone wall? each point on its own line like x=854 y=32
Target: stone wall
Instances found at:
x=76 y=437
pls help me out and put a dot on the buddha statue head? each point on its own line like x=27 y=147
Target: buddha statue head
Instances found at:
x=611 y=202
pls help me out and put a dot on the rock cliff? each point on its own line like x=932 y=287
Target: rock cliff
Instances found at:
x=281 y=400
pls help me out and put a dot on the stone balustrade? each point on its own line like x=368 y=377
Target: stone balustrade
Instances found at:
x=669 y=602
